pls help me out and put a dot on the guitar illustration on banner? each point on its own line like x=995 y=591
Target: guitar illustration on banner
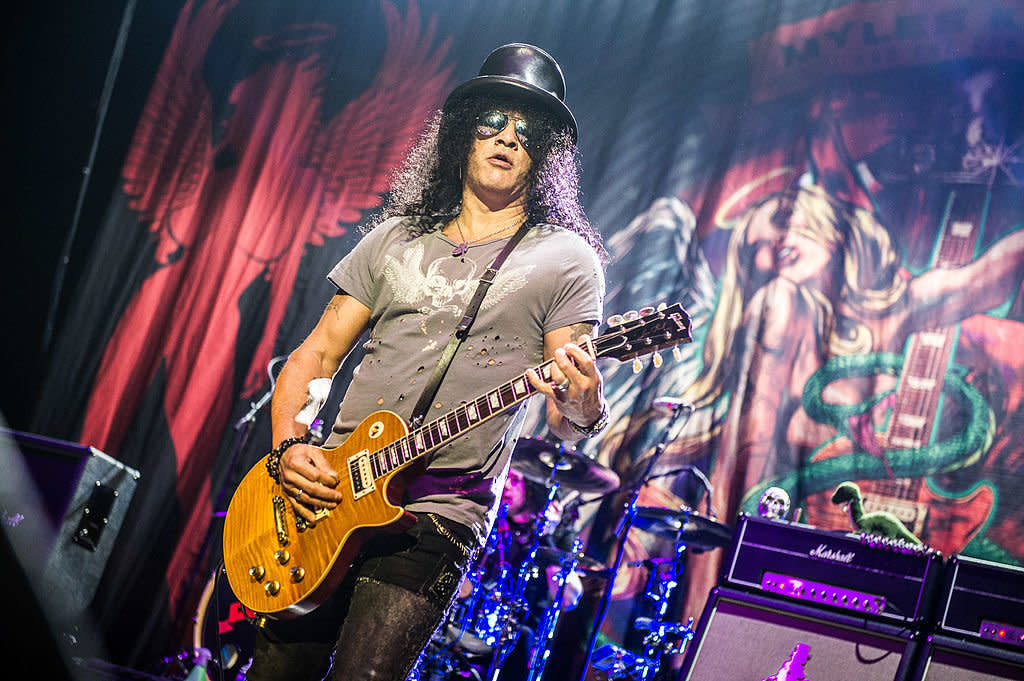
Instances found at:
x=283 y=569
x=908 y=447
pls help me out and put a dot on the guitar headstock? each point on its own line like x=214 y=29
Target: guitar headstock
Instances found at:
x=637 y=333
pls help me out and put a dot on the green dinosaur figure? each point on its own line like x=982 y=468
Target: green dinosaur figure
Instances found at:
x=881 y=523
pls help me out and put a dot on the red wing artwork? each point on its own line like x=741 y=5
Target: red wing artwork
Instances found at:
x=237 y=200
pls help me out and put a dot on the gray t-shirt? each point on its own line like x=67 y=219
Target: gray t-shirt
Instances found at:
x=417 y=293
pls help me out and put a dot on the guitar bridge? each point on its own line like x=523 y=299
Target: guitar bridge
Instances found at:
x=280 y=522
x=361 y=475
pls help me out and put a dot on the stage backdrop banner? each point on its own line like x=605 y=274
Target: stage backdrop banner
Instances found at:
x=832 y=189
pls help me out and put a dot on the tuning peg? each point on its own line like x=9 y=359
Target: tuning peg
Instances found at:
x=657 y=360
x=677 y=354
x=615 y=320
x=631 y=316
x=662 y=307
x=644 y=311
x=637 y=365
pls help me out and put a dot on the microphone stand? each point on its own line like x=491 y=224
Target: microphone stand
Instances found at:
x=243 y=428
x=622 y=531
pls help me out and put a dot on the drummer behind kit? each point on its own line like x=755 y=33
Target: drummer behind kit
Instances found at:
x=519 y=584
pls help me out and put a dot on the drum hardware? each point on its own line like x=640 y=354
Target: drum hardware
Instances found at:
x=641 y=464
x=472 y=627
x=699 y=533
x=617 y=663
x=488 y=622
x=663 y=637
x=547 y=462
x=678 y=415
x=440 y=662
x=583 y=565
x=546 y=629
x=518 y=605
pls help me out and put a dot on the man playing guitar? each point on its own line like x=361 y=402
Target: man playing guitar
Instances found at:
x=500 y=156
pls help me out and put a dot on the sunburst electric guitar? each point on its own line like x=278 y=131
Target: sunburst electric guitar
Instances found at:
x=283 y=569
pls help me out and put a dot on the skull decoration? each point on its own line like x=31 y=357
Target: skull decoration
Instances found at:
x=774 y=504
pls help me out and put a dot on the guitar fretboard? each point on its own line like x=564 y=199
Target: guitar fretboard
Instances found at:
x=453 y=424
x=631 y=337
x=928 y=352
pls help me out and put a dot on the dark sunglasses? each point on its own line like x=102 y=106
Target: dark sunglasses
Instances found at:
x=490 y=123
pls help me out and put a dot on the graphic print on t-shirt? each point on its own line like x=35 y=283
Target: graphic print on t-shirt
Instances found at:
x=413 y=283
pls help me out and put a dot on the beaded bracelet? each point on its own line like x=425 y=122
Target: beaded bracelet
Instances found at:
x=274 y=458
x=595 y=427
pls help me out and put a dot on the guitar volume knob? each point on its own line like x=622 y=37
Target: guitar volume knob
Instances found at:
x=282 y=556
x=257 y=572
x=272 y=588
x=298 y=574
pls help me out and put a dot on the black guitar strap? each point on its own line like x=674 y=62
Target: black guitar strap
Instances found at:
x=462 y=330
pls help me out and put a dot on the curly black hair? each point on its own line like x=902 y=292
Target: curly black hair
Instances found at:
x=427 y=187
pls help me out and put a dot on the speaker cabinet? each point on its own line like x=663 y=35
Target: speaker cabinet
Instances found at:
x=67 y=505
x=949 y=659
x=982 y=601
x=752 y=637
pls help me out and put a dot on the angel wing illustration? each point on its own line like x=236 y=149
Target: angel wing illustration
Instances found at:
x=506 y=282
x=236 y=204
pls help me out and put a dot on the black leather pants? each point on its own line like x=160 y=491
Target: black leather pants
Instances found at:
x=381 y=617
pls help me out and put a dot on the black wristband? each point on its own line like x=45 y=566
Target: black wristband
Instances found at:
x=274 y=458
x=594 y=428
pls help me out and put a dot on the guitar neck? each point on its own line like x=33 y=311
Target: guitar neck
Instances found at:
x=929 y=351
x=457 y=422
x=631 y=336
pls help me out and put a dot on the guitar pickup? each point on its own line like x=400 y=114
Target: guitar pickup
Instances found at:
x=361 y=474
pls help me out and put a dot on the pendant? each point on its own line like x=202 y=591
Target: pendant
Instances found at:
x=460 y=250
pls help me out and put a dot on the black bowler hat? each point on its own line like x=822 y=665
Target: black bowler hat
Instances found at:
x=523 y=72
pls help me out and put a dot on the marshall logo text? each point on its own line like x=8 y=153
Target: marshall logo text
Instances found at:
x=825 y=553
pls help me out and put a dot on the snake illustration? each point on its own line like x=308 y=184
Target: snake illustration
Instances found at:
x=957 y=451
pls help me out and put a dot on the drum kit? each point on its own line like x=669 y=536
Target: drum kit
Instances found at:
x=503 y=623
x=480 y=638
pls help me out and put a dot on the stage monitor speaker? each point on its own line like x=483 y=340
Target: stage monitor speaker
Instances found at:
x=752 y=637
x=945 y=658
x=63 y=512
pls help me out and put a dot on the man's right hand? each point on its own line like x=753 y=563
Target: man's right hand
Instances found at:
x=309 y=480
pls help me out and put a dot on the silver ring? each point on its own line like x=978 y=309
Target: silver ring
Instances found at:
x=299 y=493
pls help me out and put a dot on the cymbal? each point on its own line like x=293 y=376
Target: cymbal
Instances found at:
x=585 y=565
x=696 y=531
x=536 y=459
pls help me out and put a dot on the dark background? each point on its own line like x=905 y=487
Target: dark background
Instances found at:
x=55 y=66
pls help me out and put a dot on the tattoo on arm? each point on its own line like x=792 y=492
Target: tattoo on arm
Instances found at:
x=581 y=329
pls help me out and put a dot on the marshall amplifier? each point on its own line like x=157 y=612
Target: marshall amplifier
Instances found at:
x=747 y=637
x=860 y=573
x=983 y=600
